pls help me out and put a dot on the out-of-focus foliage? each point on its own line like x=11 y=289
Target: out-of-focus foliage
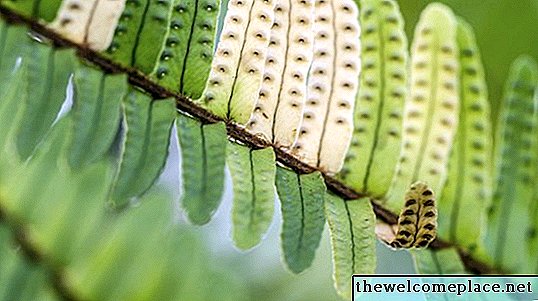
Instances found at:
x=504 y=30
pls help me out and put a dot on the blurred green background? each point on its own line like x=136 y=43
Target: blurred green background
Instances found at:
x=505 y=29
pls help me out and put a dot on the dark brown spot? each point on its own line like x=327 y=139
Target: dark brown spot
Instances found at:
x=429 y=227
x=404 y=233
x=429 y=203
x=410 y=202
x=408 y=212
x=427 y=192
x=429 y=214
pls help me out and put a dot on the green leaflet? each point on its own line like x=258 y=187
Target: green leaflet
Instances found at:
x=376 y=141
x=105 y=269
x=532 y=231
x=81 y=196
x=185 y=60
x=303 y=219
x=253 y=176
x=3 y=33
x=169 y=69
x=198 y=61
x=13 y=45
x=431 y=113
x=467 y=193
x=96 y=113
x=36 y=9
x=438 y=262
x=515 y=168
x=125 y=40
x=249 y=73
x=148 y=125
x=82 y=202
x=26 y=186
x=203 y=151
x=151 y=35
x=19 y=279
x=11 y=107
x=140 y=34
x=48 y=72
x=352 y=228
x=47 y=9
x=27 y=8
x=237 y=66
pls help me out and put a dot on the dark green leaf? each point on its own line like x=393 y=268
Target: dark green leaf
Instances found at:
x=148 y=124
x=303 y=218
x=203 y=150
x=353 y=240
x=253 y=176
x=96 y=113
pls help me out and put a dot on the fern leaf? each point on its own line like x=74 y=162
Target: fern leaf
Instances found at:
x=185 y=60
x=250 y=71
x=49 y=72
x=171 y=62
x=292 y=96
x=12 y=106
x=253 y=177
x=237 y=68
x=126 y=36
x=23 y=7
x=145 y=148
x=152 y=35
x=438 y=262
x=105 y=272
x=277 y=111
x=73 y=18
x=303 y=219
x=200 y=53
x=26 y=186
x=352 y=229
x=96 y=113
x=82 y=205
x=468 y=188
x=102 y=24
x=332 y=86
x=48 y=9
x=431 y=113
x=44 y=9
x=515 y=169
x=14 y=46
x=417 y=224
x=376 y=142
x=218 y=90
x=203 y=150
x=19 y=279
